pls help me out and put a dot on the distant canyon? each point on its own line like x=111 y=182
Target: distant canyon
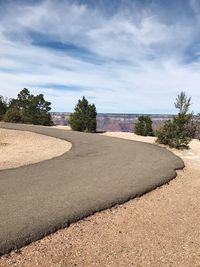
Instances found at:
x=113 y=121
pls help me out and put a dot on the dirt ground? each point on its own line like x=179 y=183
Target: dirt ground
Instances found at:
x=160 y=228
x=18 y=148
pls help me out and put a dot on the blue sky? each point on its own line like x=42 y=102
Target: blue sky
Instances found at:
x=123 y=55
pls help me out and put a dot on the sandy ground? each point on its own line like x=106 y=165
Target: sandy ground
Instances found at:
x=160 y=228
x=18 y=148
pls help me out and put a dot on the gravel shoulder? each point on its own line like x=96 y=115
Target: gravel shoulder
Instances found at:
x=160 y=228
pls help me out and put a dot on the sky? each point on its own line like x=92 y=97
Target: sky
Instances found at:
x=126 y=56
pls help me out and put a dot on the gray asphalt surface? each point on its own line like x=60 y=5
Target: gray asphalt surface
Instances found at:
x=97 y=173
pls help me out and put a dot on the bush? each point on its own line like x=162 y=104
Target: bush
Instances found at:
x=179 y=131
x=144 y=126
x=175 y=133
x=194 y=127
x=84 y=117
x=13 y=115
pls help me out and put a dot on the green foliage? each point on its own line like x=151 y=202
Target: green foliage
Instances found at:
x=13 y=114
x=32 y=109
x=175 y=133
x=3 y=107
x=144 y=126
x=84 y=117
x=179 y=131
x=194 y=127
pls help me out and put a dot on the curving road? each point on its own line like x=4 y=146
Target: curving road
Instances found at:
x=97 y=173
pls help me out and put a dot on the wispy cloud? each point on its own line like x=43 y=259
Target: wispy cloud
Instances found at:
x=127 y=56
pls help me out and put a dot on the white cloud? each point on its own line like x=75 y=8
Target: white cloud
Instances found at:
x=142 y=58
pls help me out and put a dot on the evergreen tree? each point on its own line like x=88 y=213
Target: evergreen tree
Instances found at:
x=32 y=109
x=84 y=117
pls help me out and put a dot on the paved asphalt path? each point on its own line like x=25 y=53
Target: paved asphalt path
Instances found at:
x=97 y=173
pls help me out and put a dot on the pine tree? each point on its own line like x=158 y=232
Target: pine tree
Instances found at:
x=32 y=109
x=84 y=117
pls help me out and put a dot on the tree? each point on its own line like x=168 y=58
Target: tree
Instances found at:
x=3 y=106
x=144 y=126
x=84 y=117
x=177 y=132
x=32 y=109
x=183 y=103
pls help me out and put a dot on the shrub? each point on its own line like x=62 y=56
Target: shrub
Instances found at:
x=13 y=115
x=84 y=117
x=175 y=133
x=144 y=126
x=179 y=131
x=194 y=127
